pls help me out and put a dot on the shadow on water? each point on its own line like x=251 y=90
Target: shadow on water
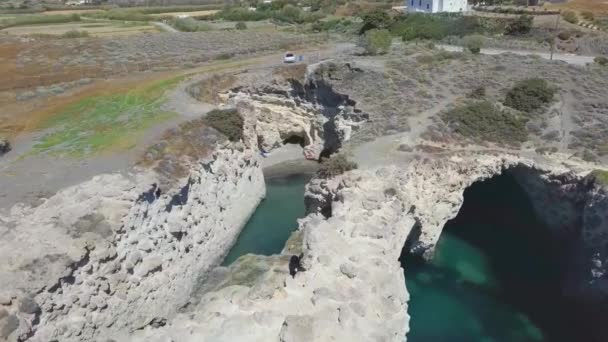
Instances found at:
x=495 y=275
x=275 y=218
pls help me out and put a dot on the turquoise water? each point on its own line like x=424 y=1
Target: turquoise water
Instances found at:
x=494 y=276
x=275 y=218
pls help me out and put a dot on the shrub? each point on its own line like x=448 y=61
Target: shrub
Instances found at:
x=570 y=17
x=521 y=25
x=482 y=119
x=529 y=95
x=588 y=15
x=121 y=14
x=438 y=26
x=474 y=43
x=564 y=35
x=75 y=34
x=335 y=166
x=227 y=121
x=243 y=14
x=189 y=25
x=240 y=25
x=377 y=42
x=601 y=60
x=376 y=19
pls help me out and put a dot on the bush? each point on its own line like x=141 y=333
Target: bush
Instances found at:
x=121 y=14
x=521 y=25
x=414 y=26
x=482 y=119
x=376 y=19
x=529 y=95
x=75 y=34
x=335 y=166
x=474 y=43
x=240 y=25
x=570 y=17
x=564 y=35
x=189 y=25
x=243 y=14
x=227 y=121
x=377 y=42
x=588 y=15
x=601 y=60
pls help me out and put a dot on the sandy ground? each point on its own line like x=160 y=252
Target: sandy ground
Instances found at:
x=287 y=160
x=568 y=58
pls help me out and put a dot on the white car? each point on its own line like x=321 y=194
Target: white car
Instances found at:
x=289 y=58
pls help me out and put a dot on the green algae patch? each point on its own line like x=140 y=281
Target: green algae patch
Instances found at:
x=105 y=122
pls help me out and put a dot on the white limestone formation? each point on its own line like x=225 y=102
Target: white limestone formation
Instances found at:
x=117 y=253
x=352 y=288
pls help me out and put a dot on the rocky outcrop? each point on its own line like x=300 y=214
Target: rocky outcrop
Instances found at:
x=118 y=253
x=352 y=287
x=310 y=113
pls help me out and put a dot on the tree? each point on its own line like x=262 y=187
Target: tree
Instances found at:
x=521 y=25
x=377 y=42
x=376 y=19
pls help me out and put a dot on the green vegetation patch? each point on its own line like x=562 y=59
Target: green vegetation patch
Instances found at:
x=101 y=123
x=484 y=120
x=227 y=121
x=601 y=176
x=530 y=95
x=376 y=41
x=190 y=25
x=416 y=26
x=570 y=17
x=335 y=166
x=38 y=20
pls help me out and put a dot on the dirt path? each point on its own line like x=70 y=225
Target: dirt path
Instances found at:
x=564 y=57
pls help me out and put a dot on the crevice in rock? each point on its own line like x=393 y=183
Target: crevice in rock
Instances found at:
x=179 y=198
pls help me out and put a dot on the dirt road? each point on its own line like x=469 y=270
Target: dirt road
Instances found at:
x=565 y=57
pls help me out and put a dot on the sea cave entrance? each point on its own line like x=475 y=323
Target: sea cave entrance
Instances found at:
x=495 y=275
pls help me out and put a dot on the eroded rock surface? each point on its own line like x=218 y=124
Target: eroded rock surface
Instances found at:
x=352 y=289
x=118 y=253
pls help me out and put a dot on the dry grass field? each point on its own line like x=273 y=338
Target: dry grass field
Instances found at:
x=598 y=7
x=94 y=28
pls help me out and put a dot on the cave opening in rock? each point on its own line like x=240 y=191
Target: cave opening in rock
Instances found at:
x=296 y=140
x=496 y=274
